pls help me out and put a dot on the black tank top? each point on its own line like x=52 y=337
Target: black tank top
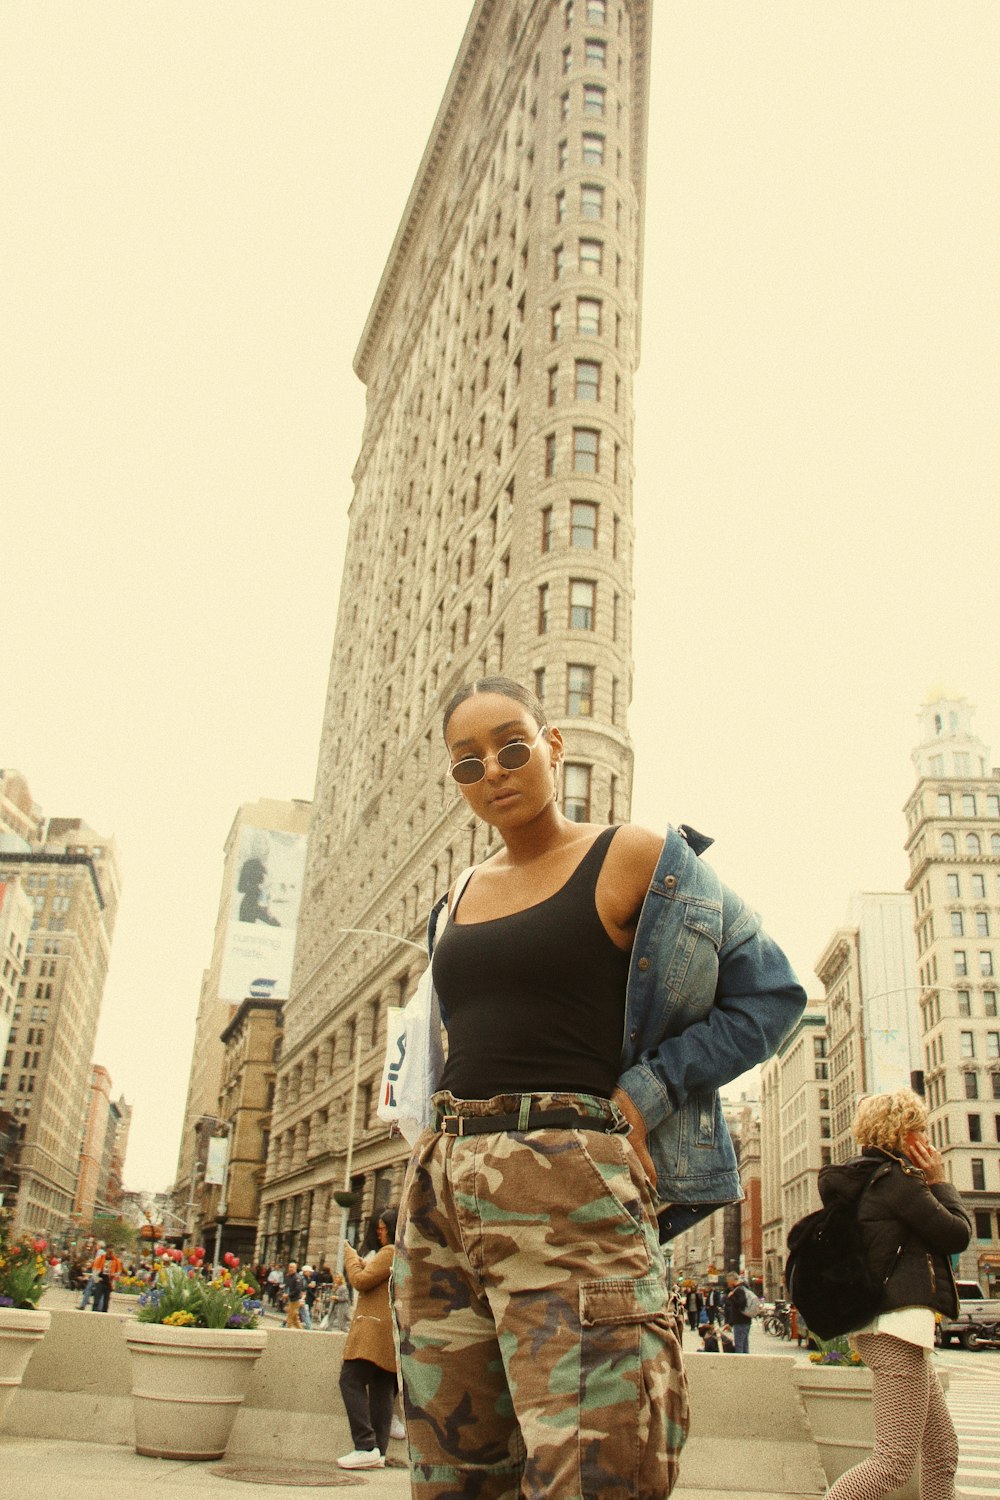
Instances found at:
x=535 y=1001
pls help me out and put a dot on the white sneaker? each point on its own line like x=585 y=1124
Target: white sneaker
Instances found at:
x=362 y=1458
x=397 y=1430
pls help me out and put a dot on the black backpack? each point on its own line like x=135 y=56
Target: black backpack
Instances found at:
x=827 y=1273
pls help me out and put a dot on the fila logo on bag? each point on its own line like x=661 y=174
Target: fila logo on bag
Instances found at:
x=394 y=1070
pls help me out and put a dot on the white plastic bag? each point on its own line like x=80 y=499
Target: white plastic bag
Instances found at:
x=414 y=1054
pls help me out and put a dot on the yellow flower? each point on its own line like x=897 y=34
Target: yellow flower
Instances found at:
x=179 y=1319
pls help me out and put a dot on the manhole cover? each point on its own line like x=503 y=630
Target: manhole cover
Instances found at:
x=284 y=1474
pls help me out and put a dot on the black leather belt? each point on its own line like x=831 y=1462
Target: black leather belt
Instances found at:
x=538 y=1119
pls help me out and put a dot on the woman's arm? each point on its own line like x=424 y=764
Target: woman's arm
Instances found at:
x=366 y=1274
x=757 y=1002
x=932 y=1210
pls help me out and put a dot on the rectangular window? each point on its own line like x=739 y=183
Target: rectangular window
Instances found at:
x=564 y=106
x=582 y=597
x=971 y=1081
x=560 y=206
x=597 y=12
x=543 y=609
x=595 y=53
x=993 y=805
x=593 y=149
x=591 y=257
x=558 y=260
x=986 y=964
x=975 y=1128
x=993 y=1044
x=540 y=684
x=944 y=805
x=957 y=926
x=954 y=890
x=579 y=691
x=591 y=201
x=553 y=385
x=588 y=380
x=967 y=1043
x=555 y=323
x=961 y=963
x=593 y=99
x=576 y=792
x=588 y=317
x=978 y=886
x=563 y=155
x=989 y=1002
x=984 y=1222
x=586 y=450
x=996 y=1085
x=550 y=455
x=567 y=59
x=583 y=524
x=968 y=805
x=982 y=924
x=964 y=1003
x=978 y=1174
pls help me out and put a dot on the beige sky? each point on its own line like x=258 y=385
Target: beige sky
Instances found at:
x=197 y=202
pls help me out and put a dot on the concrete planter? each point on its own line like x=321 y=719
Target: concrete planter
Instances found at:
x=187 y=1386
x=21 y=1330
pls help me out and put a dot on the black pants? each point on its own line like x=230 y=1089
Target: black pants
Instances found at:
x=102 y=1294
x=368 y=1393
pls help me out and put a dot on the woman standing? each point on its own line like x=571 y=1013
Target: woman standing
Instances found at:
x=597 y=986
x=911 y=1222
x=368 y=1373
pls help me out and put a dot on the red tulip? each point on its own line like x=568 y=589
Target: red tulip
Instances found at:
x=38 y=1246
x=230 y=1260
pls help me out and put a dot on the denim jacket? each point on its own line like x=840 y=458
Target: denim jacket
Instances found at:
x=709 y=995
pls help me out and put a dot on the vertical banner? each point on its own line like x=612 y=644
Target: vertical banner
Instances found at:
x=215 y=1166
x=263 y=913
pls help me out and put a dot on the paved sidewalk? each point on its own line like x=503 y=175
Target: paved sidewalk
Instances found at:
x=48 y=1470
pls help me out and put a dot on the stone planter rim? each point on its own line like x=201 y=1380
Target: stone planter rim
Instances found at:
x=29 y=1319
x=245 y=1340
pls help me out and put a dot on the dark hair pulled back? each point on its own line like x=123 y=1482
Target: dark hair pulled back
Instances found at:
x=504 y=687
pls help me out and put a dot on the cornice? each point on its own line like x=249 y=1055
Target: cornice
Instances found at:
x=474 y=51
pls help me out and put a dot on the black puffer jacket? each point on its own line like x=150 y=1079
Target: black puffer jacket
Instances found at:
x=909 y=1229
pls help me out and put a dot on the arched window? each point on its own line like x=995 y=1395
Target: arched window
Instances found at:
x=972 y=845
x=995 y=843
x=947 y=843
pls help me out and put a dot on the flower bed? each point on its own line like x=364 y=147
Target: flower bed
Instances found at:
x=23 y=1267
x=182 y=1297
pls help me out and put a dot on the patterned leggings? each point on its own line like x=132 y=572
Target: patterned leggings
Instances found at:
x=911 y=1420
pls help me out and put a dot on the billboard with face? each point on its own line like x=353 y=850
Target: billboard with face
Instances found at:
x=263 y=912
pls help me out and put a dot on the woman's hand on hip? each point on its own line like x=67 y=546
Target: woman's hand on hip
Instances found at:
x=637 y=1135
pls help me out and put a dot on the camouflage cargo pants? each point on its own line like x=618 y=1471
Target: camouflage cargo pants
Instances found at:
x=537 y=1352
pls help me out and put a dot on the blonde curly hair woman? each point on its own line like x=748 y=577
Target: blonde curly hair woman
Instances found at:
x=911 y=1220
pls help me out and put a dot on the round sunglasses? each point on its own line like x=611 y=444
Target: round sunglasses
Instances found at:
x=509 y=758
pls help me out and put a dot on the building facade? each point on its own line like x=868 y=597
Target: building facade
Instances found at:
x=95 y=1131
x=230 y=1210
x=490 y=530
x=795 y=1136
x=70 y=874
x=263 y=831
x=953 y=846
x=869 y=974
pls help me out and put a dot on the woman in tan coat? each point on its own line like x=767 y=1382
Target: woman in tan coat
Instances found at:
x=368 y=1374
